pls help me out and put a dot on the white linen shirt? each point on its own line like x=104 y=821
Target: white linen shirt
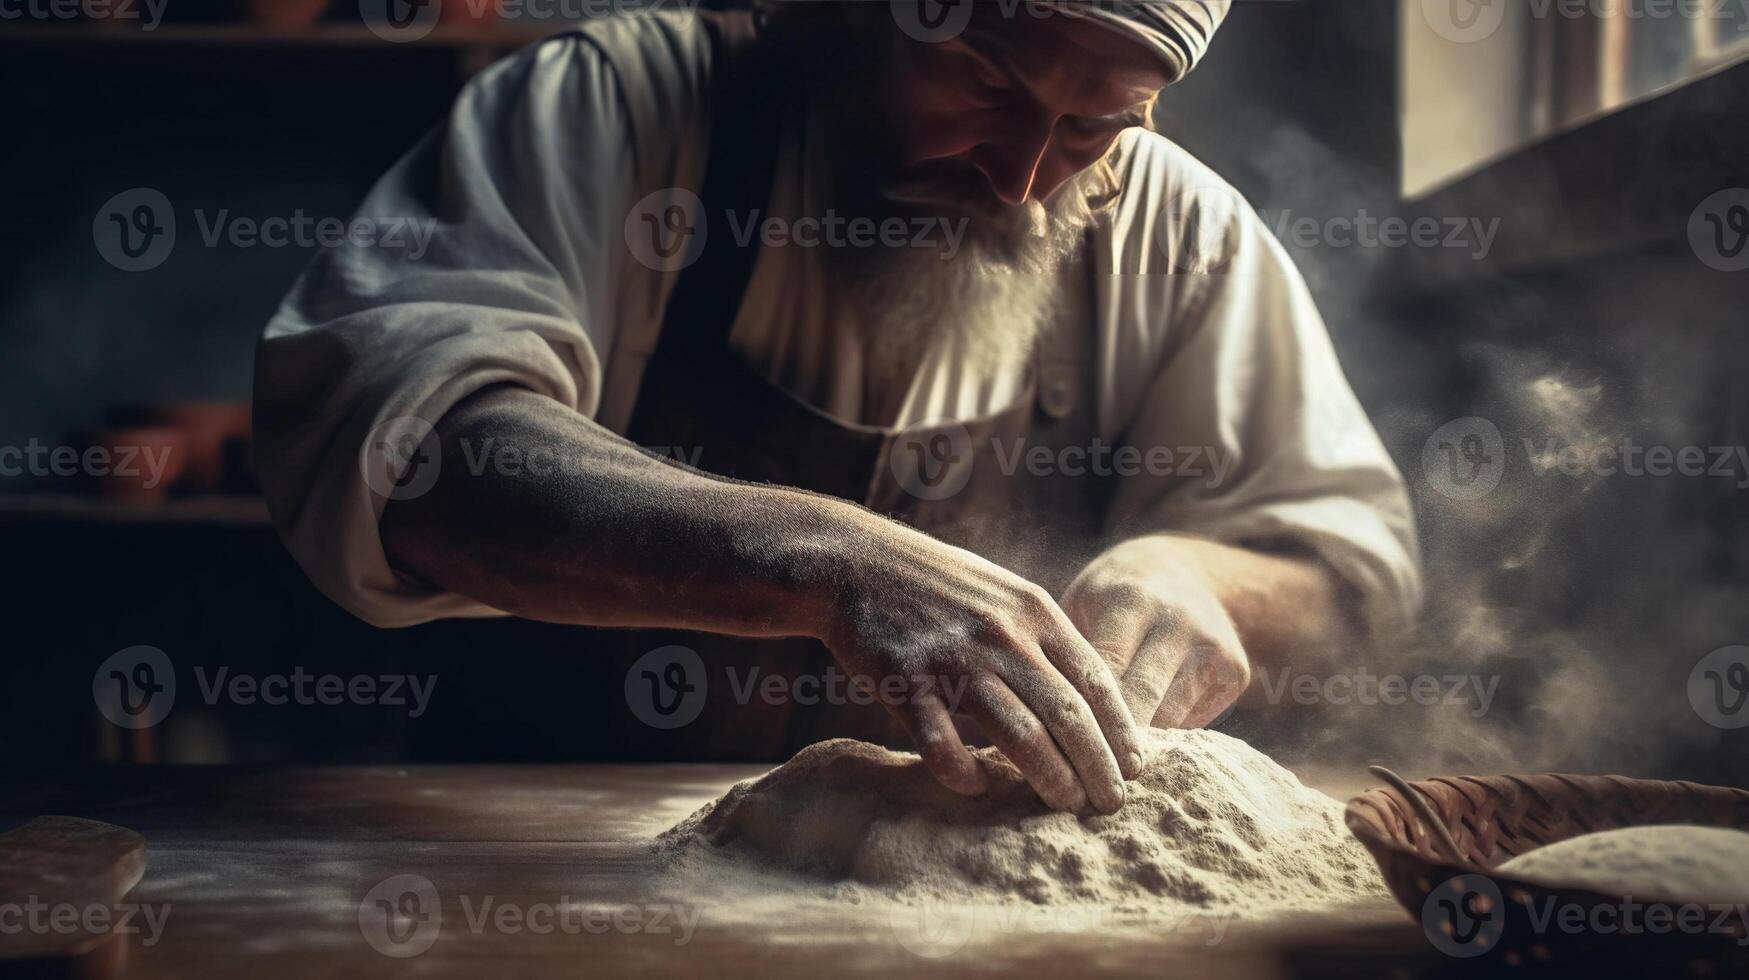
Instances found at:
x=527 y=279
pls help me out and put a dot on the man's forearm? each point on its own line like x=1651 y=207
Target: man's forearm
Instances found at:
x=615 y=537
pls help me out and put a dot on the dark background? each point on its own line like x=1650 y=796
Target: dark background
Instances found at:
x=1590 y=598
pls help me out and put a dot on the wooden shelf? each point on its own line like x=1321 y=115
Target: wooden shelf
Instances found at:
x=215 y=509
x=499 y=36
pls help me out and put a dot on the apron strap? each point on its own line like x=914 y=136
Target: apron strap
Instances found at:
x=747 y=119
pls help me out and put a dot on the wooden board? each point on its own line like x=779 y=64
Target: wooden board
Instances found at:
x=62 y=878
x=270 y=873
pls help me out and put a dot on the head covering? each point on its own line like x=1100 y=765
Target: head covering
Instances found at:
x=1178 y=31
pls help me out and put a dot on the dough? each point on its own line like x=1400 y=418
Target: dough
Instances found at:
x=1667 y=861
x=1210 y=825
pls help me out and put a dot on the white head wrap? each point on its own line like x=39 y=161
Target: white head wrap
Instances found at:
x=1178 y=31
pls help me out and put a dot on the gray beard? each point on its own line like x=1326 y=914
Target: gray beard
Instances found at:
x=991 y=301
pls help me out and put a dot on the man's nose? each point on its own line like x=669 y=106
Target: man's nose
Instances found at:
x=1014 y=165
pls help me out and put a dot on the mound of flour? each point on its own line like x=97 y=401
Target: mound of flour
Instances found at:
x=1665 y=861
x=1210 y=825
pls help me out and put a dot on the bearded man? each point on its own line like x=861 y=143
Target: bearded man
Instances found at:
x=989 y=397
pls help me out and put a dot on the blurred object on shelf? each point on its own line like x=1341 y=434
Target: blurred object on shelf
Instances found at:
x=140 y=463
x=478 y=13
x=284 y=15
x=217 y=434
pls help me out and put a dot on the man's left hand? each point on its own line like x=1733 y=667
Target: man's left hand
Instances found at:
x=1151 y=612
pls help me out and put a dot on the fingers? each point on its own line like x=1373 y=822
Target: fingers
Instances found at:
x=1222 y=684
x=1209 y=708
x=1113 y=629
x=1023 y=738
x=949 y=761
x=1091 y=675
x=1071 y=723
x=1204 y=683
x=1149 y=680
x=1184 y=695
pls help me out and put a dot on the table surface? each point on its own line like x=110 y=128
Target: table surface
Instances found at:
x=261 y=873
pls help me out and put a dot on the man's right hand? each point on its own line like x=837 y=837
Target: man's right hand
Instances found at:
x=959 y=628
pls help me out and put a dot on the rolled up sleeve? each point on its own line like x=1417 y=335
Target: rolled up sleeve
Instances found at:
x=1273 y=448
x=499 y=276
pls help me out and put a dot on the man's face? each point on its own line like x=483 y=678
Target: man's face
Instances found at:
x=1015 y=107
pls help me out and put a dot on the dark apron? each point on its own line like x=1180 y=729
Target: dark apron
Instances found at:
x=946 y=478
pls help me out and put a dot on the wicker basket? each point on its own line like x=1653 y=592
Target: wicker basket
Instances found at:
x=1467 y=911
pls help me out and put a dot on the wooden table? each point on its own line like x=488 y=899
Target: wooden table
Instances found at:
x=261 y=873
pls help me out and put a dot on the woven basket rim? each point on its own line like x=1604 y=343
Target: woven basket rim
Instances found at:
x=1369 y=796
x=1380 y=840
